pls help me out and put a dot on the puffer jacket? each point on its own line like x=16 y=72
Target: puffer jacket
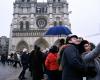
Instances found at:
x=51 y=62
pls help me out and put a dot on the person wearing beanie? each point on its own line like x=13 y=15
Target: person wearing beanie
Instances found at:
x=69 y=37
x=72 y=64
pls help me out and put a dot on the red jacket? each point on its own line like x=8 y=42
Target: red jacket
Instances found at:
x=51 y=62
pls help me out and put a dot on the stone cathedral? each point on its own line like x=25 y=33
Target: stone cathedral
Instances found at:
x=31 y=20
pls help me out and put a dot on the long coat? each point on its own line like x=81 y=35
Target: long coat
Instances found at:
x=72 y=64
x=36 y=64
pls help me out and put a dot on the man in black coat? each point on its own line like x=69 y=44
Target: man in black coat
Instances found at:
x=25 y=63
x=36 y=63
x=72 y=64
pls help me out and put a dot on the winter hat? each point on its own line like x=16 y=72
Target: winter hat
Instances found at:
x=71 y=36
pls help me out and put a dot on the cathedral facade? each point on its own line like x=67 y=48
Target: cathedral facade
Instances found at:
x=31 y=20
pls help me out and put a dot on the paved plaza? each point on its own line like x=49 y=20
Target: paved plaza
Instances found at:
x=8 y=72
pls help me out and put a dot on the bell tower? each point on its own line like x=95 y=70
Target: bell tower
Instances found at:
x=58 y=10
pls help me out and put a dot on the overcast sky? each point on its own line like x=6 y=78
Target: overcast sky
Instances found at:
x=85 y=18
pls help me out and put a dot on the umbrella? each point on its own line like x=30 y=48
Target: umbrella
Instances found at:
x=58 y=31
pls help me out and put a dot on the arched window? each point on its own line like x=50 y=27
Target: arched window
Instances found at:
x=43 y=10
x=27 y=25
x=55 y=23
x=21 y=25
x=54 y=9
x=57 y=18
x=60 y=23
x=38 y=10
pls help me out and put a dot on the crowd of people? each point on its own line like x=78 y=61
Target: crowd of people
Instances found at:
x=73 y=59
x=11 y=59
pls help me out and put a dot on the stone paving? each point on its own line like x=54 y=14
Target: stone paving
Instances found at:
x=10 y=73
x=15 y=77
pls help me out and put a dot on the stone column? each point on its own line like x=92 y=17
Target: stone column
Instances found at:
x=66 y=20
x=32 y=20
x=50 y=15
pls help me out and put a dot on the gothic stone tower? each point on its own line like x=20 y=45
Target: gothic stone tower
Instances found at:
x=31 y=19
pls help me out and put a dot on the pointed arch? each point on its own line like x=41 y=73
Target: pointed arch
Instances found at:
x=21 y=45
x=42 y=43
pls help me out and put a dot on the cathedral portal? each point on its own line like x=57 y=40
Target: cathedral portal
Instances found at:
x=21 y=45
x=42 y=43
